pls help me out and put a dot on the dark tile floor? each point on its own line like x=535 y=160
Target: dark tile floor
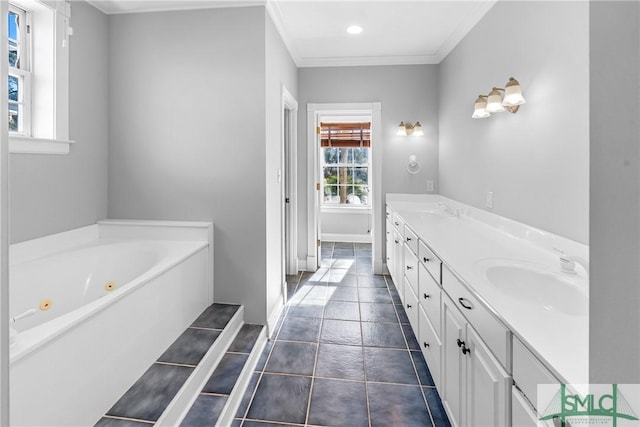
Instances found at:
x=343 y=354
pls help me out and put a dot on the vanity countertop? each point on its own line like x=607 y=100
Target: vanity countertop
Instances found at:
x=470 y=240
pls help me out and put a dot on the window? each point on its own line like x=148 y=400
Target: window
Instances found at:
x=38 y=76
x=345 y=162
x=19 y=72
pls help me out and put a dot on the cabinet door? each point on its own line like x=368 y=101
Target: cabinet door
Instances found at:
x=453 y=363
x=390 y=247
x=488 y=386
x=411 y=268
x=431 y=347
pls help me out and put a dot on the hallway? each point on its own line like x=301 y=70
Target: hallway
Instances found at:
x=342 y=354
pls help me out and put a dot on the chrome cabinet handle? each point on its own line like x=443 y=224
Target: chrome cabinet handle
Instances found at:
x=408 y=305
x=426 y=296
x=426 y=259
x=409 y=267
x=426 y=344
x=396 y=223
x=468 y=304
x=408 y=239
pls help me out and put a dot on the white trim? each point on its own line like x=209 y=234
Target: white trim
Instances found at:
x=29 y=145
x=348 y=209
x=111 y=8
x=312 y=263
x=291 y=175
x=350 y=238
x=355 y=61
x=374 y=109
x=273 y=317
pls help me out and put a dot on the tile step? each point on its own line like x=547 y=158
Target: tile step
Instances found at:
x=165 y=393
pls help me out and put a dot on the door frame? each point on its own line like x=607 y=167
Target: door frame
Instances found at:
x=314 y=111
x=289 y=211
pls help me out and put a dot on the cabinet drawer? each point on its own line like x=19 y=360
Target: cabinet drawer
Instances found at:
x=522 y=414
x=429 y=296
x=492 y=331
x=411 y=239
x=528 y=371
x=431 y=346
x=411 y=307
x=411 y=268
x=398 y=223
x=430 y=261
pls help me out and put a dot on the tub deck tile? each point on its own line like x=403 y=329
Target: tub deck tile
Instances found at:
x=117 y=422
x=226 y=374
x=216 y=316
x=151 y=394
x=246 y=338
x=190 y=347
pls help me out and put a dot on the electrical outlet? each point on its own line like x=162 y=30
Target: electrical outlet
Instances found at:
x=489 y=200
x=430 y=186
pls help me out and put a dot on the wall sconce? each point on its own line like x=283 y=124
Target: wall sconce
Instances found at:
x=409 y=129
x=485 y=105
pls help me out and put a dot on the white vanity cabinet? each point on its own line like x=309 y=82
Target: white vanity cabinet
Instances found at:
x=429 y=295
x=476 y=386
x=528 y=373
x=395 y=251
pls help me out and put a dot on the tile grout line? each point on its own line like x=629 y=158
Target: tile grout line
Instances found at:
x=261 y=372
x=140 y=420
x=413 y=364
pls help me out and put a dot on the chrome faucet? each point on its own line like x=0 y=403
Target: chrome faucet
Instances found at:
x=568 y=263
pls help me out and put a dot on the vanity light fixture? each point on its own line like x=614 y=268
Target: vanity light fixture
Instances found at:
x=409 y=129
x=496 y=103
x=480 y=108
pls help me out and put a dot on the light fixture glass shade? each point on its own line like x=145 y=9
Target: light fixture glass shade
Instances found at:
x=417 y=130
x=402 y=129
x=494 y=102
x=480 y=109
x=513 y=94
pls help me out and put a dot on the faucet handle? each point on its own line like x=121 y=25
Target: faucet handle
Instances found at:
x=567 y=265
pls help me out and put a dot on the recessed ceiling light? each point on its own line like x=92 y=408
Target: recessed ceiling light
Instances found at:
x=354 y=29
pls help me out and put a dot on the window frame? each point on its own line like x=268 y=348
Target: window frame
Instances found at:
x=352 y=165
x=23 y=73
x=49 y=81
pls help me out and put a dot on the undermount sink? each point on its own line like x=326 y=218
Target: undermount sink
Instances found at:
x=532 y=285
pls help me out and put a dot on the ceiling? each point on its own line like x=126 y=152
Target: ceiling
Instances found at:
x=394 y=31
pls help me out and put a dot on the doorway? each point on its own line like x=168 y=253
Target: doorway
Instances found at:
x=328 y=193
x=288 y=189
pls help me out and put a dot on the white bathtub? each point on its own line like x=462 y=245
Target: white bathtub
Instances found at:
x=108 y=300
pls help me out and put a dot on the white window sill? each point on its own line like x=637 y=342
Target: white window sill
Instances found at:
x=29 y=145
x=353 y=209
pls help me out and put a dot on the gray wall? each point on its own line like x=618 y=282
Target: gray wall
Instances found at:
x=615 y=193
x=407 y=92
x=50 y=193
x=535 y=162
x=280 y=69
x=187 y=134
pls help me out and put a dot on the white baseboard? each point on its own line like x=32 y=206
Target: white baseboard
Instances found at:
x=349 y=238
x=274 y=316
